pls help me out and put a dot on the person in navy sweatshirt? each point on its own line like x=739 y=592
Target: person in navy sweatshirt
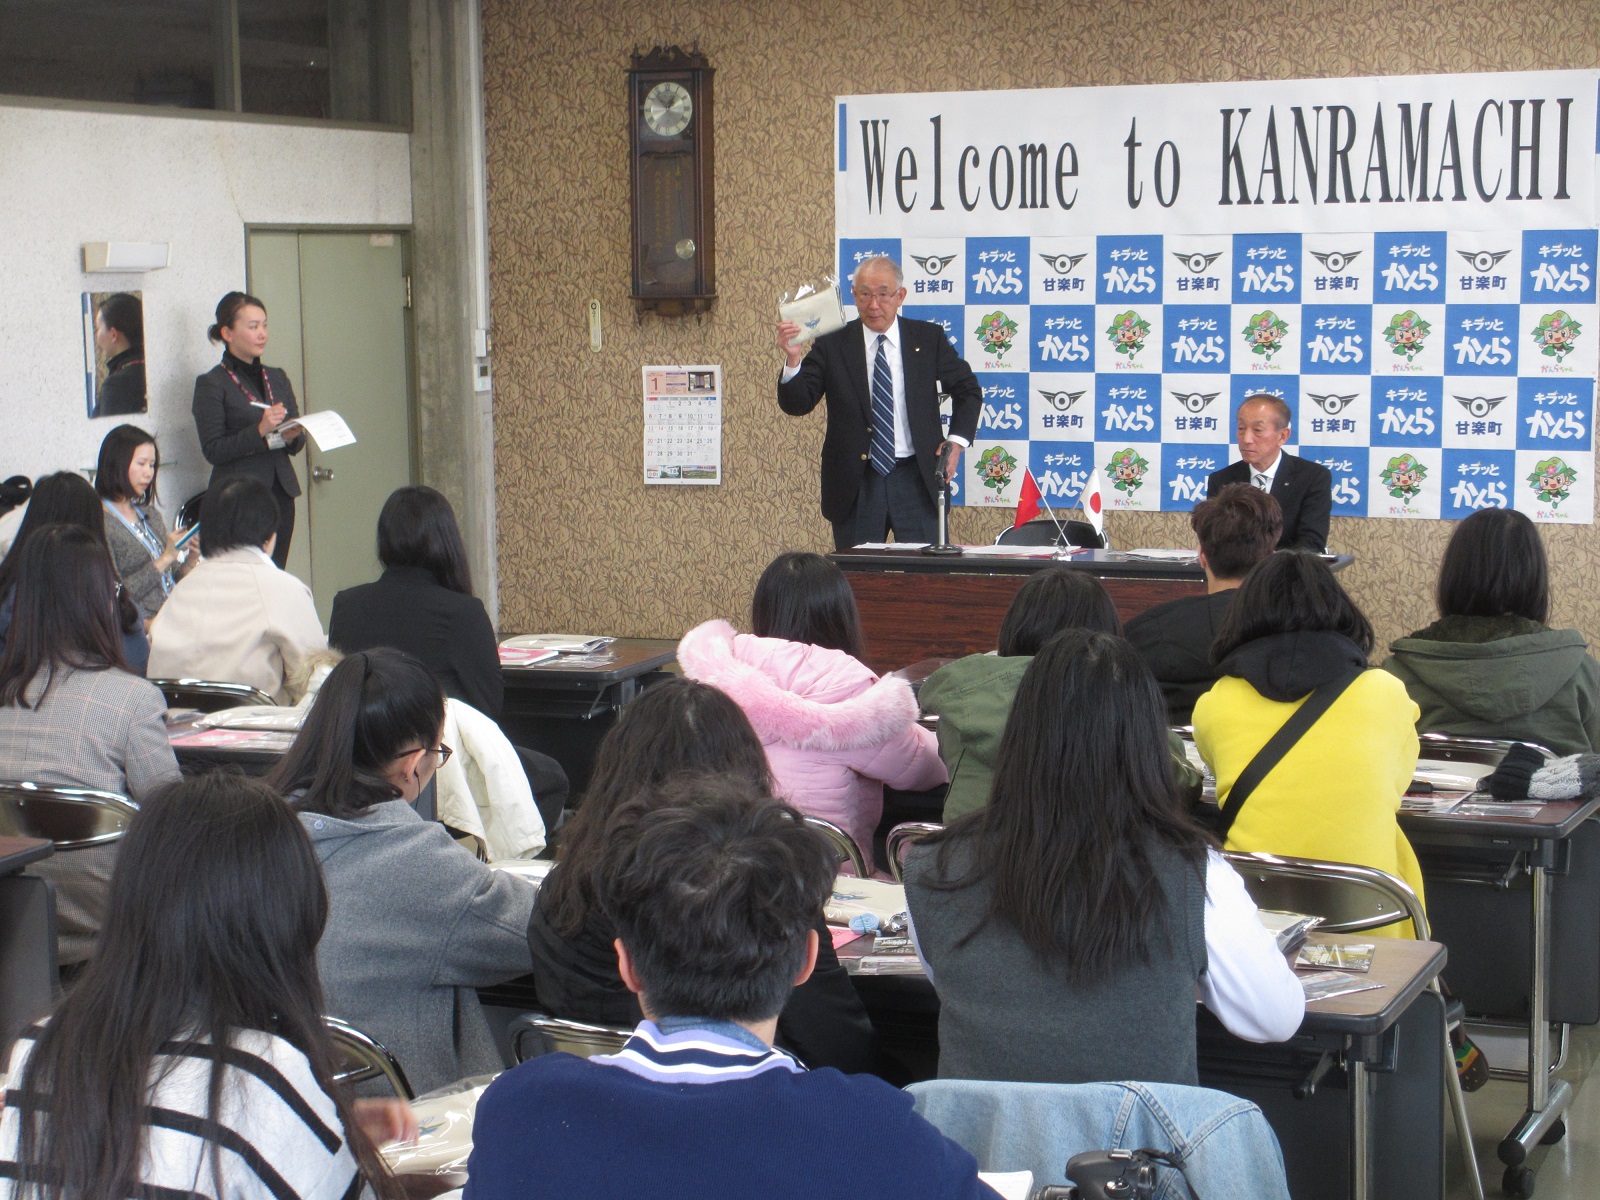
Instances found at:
x=714 y=893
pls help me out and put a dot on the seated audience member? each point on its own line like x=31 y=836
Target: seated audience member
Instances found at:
x=190 y=1057
x=67 y=498
x=1068 y=925
x=415 y=922
x=834 y=732
x=237 y=617
x=1236 y=529
x=676 y=728
x=71 y=715
x=715 y=896
x=146 y=556
x=1490 y=666
x=972 y=696
x=1334 y=794
x=423 y=602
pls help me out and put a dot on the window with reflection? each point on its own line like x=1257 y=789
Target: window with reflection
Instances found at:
x=340 y=60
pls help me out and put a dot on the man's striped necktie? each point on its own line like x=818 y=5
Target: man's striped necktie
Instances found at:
x=882 y=412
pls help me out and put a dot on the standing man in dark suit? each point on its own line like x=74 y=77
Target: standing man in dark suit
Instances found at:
x=1304 y=490
x=882 y=377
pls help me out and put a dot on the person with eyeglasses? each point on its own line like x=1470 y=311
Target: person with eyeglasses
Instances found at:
x=415 y=922
x=882 y=375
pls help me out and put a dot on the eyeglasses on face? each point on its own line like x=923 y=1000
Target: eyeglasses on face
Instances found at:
x=441 y=750
x=878 y=295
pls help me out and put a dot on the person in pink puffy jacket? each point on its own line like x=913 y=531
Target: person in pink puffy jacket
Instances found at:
x=834 y=732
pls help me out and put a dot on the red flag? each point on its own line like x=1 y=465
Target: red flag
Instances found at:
x=1027 y=500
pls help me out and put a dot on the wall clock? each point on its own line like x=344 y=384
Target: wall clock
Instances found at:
x=670 y=144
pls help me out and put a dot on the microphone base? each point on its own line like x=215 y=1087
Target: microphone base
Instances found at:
x=944 y=551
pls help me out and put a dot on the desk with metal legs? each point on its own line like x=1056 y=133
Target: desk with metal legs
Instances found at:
x=1390 y=1034
x=1539 y=840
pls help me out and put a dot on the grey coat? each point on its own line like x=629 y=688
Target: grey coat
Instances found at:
x=93 y=729
x=135 y=567
x=415 y=923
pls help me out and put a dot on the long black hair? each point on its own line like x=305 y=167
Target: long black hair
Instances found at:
x=116 y=457
x=125 y=314
x=1083 y=793
x=417 y=528
x=216 y=907
x=65 y=498
x=676 y=728
x=803 y=597
x=1290 y=591
x=1054 y=599
x=373 y=707
x=64 y=615
x=1495 y=566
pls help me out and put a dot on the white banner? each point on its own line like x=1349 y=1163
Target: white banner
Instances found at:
x=1409 y=262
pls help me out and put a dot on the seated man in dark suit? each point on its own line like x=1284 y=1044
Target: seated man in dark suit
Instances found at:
x=1304 y=490
x=714 y=895
x=1236 y=528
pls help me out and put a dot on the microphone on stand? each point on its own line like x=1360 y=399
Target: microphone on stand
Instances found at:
x=941 y=476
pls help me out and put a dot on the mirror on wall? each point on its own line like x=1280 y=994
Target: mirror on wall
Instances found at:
x=113 y=353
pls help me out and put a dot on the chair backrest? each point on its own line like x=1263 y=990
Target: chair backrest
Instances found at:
x=72 y=818
x=1348 y=898
x=534 y=1033
x=209 y=695
x=189 y=511
x=1449 y=747
x=551 y=788
x=1043 y=532
x=843 y=844
x=901 y=838
x=359 y=1057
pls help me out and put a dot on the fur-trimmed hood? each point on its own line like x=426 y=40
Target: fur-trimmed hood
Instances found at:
x=809 y=697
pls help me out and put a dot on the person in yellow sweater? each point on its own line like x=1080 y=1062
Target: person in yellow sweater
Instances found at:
x=1335 y=793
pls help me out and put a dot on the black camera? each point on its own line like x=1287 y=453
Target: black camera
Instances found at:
x=1113 y=1175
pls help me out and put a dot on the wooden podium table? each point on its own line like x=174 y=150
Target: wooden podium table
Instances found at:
x=915 y=606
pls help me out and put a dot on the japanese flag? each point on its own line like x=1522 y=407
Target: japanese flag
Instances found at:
x=1093 y=505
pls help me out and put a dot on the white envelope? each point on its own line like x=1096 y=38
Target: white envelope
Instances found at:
x=816 y=314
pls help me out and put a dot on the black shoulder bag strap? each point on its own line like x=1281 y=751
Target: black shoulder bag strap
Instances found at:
x=1270 y=755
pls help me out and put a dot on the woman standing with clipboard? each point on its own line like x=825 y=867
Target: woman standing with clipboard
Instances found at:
x=238 y=407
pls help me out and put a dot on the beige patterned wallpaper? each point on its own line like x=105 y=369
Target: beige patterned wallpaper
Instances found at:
x=584 y=545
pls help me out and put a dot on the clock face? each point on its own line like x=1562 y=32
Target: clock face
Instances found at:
x=667 y=109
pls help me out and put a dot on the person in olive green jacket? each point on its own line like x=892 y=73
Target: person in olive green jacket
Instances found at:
x=972 y=696
x=1490 y=666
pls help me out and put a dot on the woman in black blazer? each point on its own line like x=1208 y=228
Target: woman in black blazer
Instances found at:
x=238 y=407
x=423 y=603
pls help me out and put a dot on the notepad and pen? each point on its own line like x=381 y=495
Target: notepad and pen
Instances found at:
x=327 y=429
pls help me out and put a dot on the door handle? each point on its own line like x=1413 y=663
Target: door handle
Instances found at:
x=321 y=474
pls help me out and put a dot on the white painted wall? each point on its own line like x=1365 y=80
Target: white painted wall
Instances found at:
x=69 y=177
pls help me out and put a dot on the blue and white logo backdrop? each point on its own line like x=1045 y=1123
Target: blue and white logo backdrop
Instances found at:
x=1410 y=263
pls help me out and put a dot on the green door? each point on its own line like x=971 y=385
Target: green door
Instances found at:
x=340 y=328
